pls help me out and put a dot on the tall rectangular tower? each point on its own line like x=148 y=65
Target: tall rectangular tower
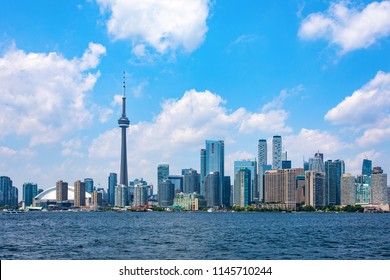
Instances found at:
x=215 y=162
x=277 y=152
x=202 y=170
x=79 y=193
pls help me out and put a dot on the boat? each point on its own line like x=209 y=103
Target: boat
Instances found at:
x=10 y=211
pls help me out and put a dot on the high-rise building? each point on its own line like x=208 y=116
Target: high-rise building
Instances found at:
x=277 y=152
x=178 y=181
x=262 y=167
x=242 y=187
x=123 y=123
x=252 y=166
x=348 y=193
x=5 y=191
x=61 y=191
x=262 y=152
x=112 y=182
x=261 y=180
x=212 y=185
x=215 y=162
x=363 y=193
x=162 y=173
x=367 y=167
x=121 y=195
x=378 y=186
x=79 y=193
x=14 y=196
x=30 y=191
x=166 y=193
x=97 y=199
x=315 y=188
x=316 y=164
x=140 y=195
x=228 y=191
x=300 y=189
x=89 y=185
x=202 y=170
x=191 y=181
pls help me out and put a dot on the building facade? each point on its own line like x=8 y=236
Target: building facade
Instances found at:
x=212 y=185
x=192 y=181
x=166 y=193
x=242 y=187
x=112 y=182
x=79 y=193
x=277 y=152
x=252 y=166
x=215 y=162
x=315 y=189
x=61 y=191
x=30 y=190
x=378 y=187
x=348 y=193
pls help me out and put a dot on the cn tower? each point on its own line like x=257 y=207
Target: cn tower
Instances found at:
x=123 y=123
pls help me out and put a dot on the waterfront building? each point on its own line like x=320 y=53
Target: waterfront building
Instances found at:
x=228 y=191
x=300 y=189
x=191 y=181
x=315 y=188
x=348 y=194
x=261 y=180
x=262 y=152
x=104 y=195
x=14 y=196
x=121 y=195
x=363 y=193
x=252 y=166
x=202 y=170
x=140 y=195
x=162 y=173
x=189 y=201
x=30 y=190
x=49 y=197
x=242 y=187
x=367 y=167
x=333 y=172
x=97 y=199
x=61 y=191
x=5 y=191
x=166 y=193
x=89 y=185
x=123 y=123
x=215 y=162
x=378 y=187
x=79 y=193
x=316 y=164
x=112 y=182
x=212 y=184
x=277 y=152
x=178 y=181
x=280 y=186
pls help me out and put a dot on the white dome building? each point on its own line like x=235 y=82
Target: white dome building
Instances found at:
x=49 y=196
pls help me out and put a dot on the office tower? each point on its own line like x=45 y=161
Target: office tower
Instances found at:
x=300 y=189
x=123 y=123
x=5 y=191
x=202 y=170
x=215 y=162
x=14 y=196
x=121 y=195
x=262 y=152
x=61 y=191
x=277 y=152
x=30 y=191
x=261 y=181
x=104 y=194
x=97 y=199
x=252 y=166
x=162 y=173
x=140 y=195
x=228 y=190
x=378 y=186
x=286 y=164
x=280 y=186
x=88 y=185
x=315 y=188
x=316 y=164
x=242 y=187
x=166 y=193
x=112 y=182
x=333 y=172
x=212 y=186
x=178 y=182
x=79 y=193
x=367 y=167
x=262 y=162
x=363 y=193
x=348 y=189
x=191 y=181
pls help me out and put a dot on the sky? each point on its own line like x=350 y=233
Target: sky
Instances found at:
x=315 y=72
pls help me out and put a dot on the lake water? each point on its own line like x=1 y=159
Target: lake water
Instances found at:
x=182 y=235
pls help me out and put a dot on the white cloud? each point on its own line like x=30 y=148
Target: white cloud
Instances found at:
x=165 y=26
x=354 y=165
x=137 y=90
x=5 y=151
x=180 y=129
x=348 y=27
x=43 y=95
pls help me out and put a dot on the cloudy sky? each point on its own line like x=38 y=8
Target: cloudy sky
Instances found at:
x=315 y=72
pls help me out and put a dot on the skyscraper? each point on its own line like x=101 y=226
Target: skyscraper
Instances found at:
x=202 y=170
x=166 y=193
x=242 y=187
x=378 y=186
x=317 y=163
x=112 y=182
x=315 y=188
x=262 y=152
x=262 y=167
x=178 y=182
x=215 y=161
x=348 y=193
x=367 y=167
x=192 y=181
x=5 y=191
x=277 y=152
x=252 y=166
x=30 y=190
x=88 y=185
x=212 y=185
x=79 y=193
x=228 y=190
x=61 y=191
x=123 y=123
x=162 y=173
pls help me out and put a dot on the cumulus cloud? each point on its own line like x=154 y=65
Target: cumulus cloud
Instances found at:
x=353 y=165
x=348 y=27
x=164 y=26
x=181 y=128
x=42 y=95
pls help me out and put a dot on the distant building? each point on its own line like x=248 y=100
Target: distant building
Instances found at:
x=62 y=191
x=316 y=164
x=190 y=201
x=363 y=193
x=97 y=199
x=112 y=182
x=228 y=190
x=212 y=189
x=202 y=170
x=215 y=162
x=315 y=188
x=261 y=181
x=166 y=193
x=191 y=181
x=79 y=194
x=252 y=166
x=286 y=164
x=378 y=187
x=162 y=173
x=367 y=167
x=242 y=187
x=121 y=195
x=6 y=193
x=277 y=152
x=30 y=190
x=140 y=195
x=88 y=185
x=178 y=182
x=348 y=194
x=333 y=172
x=300 y=189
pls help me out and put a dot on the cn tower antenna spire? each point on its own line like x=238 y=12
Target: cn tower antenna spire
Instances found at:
x=124 y=83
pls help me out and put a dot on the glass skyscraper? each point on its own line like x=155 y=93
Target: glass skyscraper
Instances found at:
x=212 y=185
x=215 y=162
x=367 y=167
x=112 y=182
x=88 y=185
x=166 y=193
x=192 y=182
x=30 y=190
x=277 y=152
x=202 y=170
x=162 y=173
x=242 y=187
x=252 y=166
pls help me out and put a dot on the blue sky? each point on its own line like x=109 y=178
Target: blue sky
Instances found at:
x=315 y=72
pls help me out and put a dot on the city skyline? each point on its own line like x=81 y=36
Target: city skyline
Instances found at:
x=276 y=71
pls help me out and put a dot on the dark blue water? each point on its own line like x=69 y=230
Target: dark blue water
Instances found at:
x=153 y=235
